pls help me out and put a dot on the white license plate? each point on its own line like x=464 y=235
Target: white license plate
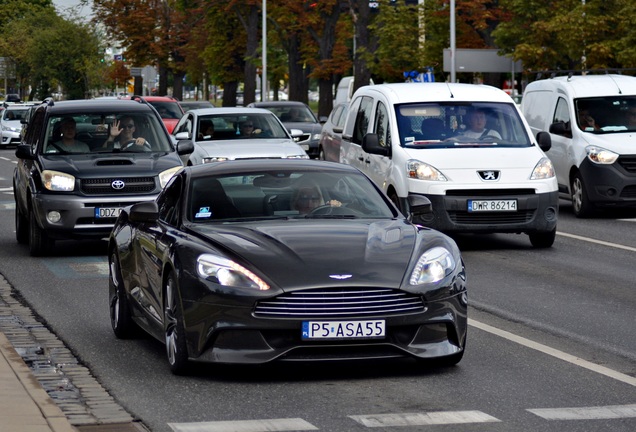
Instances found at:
x=304 y=147
x=492 y=205
x=370 y=329
x=107 y=212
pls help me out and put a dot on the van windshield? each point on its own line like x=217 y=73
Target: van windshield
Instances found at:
x=606 y=114
x=448 y=125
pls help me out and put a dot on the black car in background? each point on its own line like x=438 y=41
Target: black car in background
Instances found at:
x=77 y=191
x=297 y=115
x=255 y=261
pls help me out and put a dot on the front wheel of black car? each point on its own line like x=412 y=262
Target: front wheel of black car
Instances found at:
x=39 y=242
x=176 y=348
x=120 y=311
x=542 y=239
x=21 y=226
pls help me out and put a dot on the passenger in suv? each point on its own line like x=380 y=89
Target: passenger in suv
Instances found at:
x=73 y=193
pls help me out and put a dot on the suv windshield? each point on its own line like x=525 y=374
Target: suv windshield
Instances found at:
x=447 y=125
x=105 y=132
x=606 y=114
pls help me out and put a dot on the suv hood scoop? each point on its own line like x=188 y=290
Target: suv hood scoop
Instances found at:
x=111 y=162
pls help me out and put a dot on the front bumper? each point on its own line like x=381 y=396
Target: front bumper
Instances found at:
x=535 y=212
x=610 y=185
x=78 y=219
x=10 y=138
x=235 y=335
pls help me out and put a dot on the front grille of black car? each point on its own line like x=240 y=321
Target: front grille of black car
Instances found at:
x=340 y=303
x=629 y=192
x=518 y=217
x=628 y=163
x=103 y=186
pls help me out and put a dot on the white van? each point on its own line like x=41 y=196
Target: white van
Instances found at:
x=592 y=123
x=414 y=139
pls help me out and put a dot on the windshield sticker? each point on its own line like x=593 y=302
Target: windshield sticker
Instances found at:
x=204 y=212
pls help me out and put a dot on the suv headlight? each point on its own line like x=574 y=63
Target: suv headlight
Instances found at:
x=165 y=176
x=600 y=155
x=422 y=171
x=542 y=170
x=228 y=273
x=58 y=181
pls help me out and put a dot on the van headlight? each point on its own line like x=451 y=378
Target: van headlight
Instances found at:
x=422 y=171
x=543 y=170
x=600 y=155
x=58 y=181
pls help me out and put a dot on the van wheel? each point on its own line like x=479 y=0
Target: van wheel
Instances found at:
x=542 y=239
x=395 y=200
x=581 y=206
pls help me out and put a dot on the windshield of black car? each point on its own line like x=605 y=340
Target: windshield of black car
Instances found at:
x=609 y=114
x=452 y=125
x=103 y=132
x=290 y=194
x=238 y=127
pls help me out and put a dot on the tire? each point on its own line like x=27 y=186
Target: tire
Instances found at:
x=176 y=348
x=321 y=154
x=21 y=226
x=581 y=206
x=542 y=239
x=120 y=310
x=39 y=242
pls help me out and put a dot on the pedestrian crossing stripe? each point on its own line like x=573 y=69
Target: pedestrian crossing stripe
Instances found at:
x=587 y=413
x=423 y=419
x=267 y=425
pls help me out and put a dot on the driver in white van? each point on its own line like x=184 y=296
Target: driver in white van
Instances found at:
x=476 y=125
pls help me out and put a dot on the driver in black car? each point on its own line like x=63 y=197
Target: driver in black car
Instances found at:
x=308 y=197
x=122 y=135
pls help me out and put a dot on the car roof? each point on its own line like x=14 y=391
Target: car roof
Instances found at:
x=229 y=110
x=247 y=165
x=89 y=105
x=278 y=103
x=589 y=85
x=156 y=98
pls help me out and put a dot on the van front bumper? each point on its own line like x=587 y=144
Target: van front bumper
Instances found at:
x=534 y=213
x=610 y=185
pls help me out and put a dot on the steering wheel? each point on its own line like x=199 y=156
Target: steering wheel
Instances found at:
x=132 y=146
x=328 y=209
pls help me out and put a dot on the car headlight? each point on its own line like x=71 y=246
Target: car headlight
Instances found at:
x=433 y=266
x=58 y=181
x=600 y=155
x=422 y=171
x=10 y=129
x=166 y=175
x=543 y=170
x=212 y=159
x=228 y=273
x=316 y=137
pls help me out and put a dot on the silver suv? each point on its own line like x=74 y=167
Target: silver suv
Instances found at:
x=76 y=171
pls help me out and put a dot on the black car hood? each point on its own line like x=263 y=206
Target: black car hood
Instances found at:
x=112 y=164
x=320 y=252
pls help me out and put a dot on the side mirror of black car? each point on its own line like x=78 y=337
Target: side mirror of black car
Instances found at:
x=544 y=140
x=23 y=151
x=185 y=147
x=371 y=144
x=419 y=205
x=144 y=212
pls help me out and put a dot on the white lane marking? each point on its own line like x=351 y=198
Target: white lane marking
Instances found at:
x=6 y=189
x=4 y=158
x=554 y=353
x=267 y=425
x=422 y=419
x=600 y=242
x=586 y=413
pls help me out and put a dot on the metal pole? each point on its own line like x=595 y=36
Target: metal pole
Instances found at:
x=452 y=39
x=264 y=89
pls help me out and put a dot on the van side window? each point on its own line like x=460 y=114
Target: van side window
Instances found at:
x=363 y=117
x=382 y=128
x=562 y=113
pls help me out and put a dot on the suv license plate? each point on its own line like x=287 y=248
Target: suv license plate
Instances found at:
x=107 y=212
x=371 y=329
x=492 y=205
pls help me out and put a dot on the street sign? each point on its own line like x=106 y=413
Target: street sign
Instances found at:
x=117 y=57
x=135 y=71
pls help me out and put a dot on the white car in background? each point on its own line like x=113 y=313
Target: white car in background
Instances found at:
x=10 y=123
x=267 y=138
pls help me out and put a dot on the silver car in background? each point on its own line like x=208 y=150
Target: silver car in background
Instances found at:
x=221 y=134
x=11 y=123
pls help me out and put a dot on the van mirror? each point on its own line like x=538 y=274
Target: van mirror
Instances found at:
x=419 y=205
x=544 y=140
x=371 y=144
x=561 y=128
